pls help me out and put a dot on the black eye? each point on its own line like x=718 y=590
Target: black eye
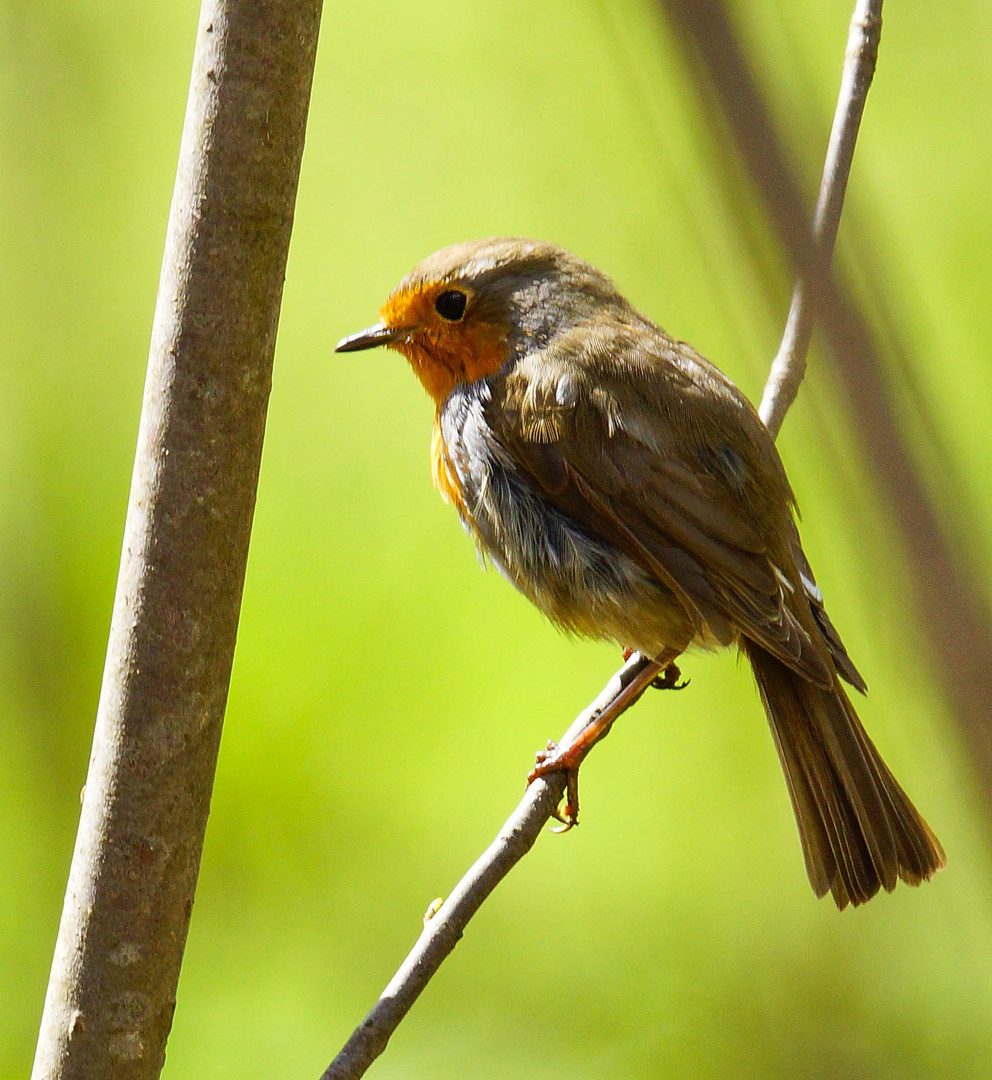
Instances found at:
x=450 y=305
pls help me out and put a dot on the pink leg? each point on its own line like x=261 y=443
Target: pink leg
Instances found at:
x=571 y=755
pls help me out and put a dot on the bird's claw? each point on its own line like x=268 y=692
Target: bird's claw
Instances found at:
x=567 y=759
x=553 y=759
x=669 y=679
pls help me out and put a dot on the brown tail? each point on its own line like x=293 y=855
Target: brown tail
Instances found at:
x=858 y=829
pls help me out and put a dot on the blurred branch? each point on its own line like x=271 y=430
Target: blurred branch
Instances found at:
x=111 y=995
x=951 y=610
x=443 y=930
x=789 y=365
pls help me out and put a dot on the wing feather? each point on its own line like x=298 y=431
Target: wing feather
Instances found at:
x=683 y=487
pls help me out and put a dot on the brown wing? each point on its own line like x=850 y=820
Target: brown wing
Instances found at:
x=642 y=441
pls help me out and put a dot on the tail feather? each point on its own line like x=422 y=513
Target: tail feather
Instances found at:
x=858 y=829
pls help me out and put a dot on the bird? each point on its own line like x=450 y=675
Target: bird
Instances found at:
x=624 y=485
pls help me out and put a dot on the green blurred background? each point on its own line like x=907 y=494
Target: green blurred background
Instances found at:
x=388 y=695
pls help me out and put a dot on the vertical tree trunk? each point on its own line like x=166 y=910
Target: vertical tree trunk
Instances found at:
x=111 y=995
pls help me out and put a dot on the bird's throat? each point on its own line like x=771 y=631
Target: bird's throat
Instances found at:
x=443 y=362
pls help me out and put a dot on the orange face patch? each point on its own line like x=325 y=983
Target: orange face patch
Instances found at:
x=442 y=352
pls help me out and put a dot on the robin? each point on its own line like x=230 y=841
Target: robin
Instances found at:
x=629 y=489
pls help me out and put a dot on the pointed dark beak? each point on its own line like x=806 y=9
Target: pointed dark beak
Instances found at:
x=379 y=334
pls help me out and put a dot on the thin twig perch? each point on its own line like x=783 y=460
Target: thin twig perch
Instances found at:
x=946 y=590
x=789 y=365
x=442 y=931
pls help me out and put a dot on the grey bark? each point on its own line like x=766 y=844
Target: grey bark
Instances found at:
x=111 y=996
x=443 y=929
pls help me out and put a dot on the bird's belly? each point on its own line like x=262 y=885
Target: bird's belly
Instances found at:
x=579 y=580
x=584 y=585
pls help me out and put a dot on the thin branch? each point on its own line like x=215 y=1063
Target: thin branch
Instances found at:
x=443 y=931
x=789 y=365
x=948 y=594
x=111 y=995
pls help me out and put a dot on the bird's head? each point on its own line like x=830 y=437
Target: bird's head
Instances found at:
x=466 y=310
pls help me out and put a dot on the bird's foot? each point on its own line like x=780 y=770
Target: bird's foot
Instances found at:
x=589 y=729
x=669 y=679
x=554 y=758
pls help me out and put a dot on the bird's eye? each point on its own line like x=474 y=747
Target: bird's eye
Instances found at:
x=450 y=304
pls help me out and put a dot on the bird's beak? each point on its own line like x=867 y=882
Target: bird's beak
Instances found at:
x=379 y=334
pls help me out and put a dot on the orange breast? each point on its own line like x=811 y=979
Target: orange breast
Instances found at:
x=444 y=476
